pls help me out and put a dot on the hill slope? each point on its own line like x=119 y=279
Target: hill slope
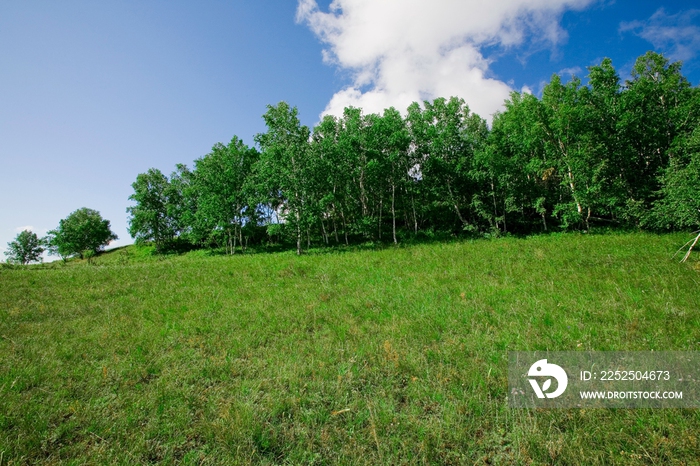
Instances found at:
x=368 y=357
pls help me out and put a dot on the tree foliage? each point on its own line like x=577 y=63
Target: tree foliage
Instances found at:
x=284 y=173
x=221 y=194
x=679 y=204
x=27 y=247
x=157 y=214
x=82 y=231
x=586 y=153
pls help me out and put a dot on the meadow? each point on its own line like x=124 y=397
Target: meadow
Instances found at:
x=374 y=355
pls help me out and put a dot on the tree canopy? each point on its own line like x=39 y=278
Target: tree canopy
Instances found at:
x=586 y=153
x=82 y=231
x=156 y=215
x=27 y=247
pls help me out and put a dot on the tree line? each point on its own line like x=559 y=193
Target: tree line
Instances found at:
x=600 y=153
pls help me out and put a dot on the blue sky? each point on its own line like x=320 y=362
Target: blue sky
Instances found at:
x=94 y=93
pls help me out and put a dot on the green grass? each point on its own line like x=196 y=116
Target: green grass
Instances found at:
x=391 y=356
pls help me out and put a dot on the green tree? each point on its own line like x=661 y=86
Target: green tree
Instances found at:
x=82 y=231
x=157 y=214
x=332 y=177
x=447 y=137
x=181 y=205
x=27 y=247
x=392 y=142
x=283 y=173
x=521 y=175
x=606 y=146
x=679 y=206
x=221 y=180
x=658 y=112
x=356 y=162
x=564 y=125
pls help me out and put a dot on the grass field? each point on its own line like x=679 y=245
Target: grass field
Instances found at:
x=386 y=356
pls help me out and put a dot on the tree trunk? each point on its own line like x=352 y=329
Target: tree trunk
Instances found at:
x=335 y=227
x=454 y=203
x=572 y=186
x=381 y=208
x=393 y=211
x=588 y=227
x=363 y=196
x=495 y=209
x=415 y=215
x=240 y=236
x=323 y=231
x=345 y=225
x=690 y=249
x=298 y=217
x=571 y=178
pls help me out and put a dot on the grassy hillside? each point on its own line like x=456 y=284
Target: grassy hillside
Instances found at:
x=387 y=356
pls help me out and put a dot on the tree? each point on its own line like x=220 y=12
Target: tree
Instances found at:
x=332 y=176
x=27 y=247
x=609 y=151
x=563 y=122
x=392 y=141
x=520 y=173
x=584 y=152
x=82 y=231
x=658 y=113
x=679 y=207
x=223 y=205
x=156 y=215
x=355 y=161
x=447 y=136
x=181 y=205
x=283 y=170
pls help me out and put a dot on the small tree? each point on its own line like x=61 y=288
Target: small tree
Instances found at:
x=83 y=230
x=27 y=247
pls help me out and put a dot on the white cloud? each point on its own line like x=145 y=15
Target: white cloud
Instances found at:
x=574 y=71
x=401 y=51
x=21 y=229
x=674 y=35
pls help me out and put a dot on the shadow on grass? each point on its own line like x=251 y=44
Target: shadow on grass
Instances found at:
x=129 y=254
